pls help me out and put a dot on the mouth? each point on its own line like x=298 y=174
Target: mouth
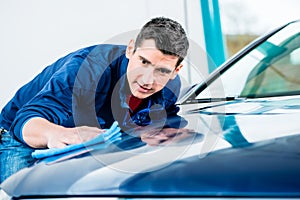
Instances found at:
x=143 y=89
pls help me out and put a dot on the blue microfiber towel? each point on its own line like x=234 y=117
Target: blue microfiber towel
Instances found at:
x=100 y=142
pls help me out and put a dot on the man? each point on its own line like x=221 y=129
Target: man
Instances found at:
x=81 y=94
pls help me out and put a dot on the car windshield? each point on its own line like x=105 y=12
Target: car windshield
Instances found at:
x=270 y=69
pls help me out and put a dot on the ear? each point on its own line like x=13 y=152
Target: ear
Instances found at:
x=175 y=72
x=130 y=48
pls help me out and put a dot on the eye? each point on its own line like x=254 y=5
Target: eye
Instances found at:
x=144 y=61
x=164 y=71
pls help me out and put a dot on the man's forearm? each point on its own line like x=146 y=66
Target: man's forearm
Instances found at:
x=36 y=132
x=40 y=133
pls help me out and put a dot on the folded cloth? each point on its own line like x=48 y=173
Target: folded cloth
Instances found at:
x=100 y=142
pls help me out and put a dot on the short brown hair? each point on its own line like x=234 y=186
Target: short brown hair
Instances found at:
x=169 y=36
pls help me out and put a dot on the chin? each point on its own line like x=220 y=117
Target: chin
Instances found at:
x=141 y=95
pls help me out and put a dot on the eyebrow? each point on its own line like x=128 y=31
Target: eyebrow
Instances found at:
x=148 y=61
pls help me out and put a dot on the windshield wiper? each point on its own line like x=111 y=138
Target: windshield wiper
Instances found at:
x=209 y=100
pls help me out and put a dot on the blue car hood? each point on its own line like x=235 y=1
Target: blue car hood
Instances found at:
x=240 y=147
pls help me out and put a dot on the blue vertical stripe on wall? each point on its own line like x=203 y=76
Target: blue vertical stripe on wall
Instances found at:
x=213 y=33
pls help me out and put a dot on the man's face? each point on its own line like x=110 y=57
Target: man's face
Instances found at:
x=149 y=69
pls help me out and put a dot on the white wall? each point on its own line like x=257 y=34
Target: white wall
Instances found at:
x=35 y=33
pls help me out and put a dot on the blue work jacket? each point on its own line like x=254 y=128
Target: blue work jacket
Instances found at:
x=86 y=87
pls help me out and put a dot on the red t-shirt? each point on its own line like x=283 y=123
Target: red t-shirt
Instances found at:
x=134 y=102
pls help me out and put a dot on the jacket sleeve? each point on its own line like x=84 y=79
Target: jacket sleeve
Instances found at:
x=69 y=92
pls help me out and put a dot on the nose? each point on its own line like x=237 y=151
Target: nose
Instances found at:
x=148 y=76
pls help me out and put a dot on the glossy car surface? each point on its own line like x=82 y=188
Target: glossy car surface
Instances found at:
x=244 y=139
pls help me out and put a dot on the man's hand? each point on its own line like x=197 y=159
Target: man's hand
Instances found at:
x=166 y=136
x=40 y=133
x=72 y=136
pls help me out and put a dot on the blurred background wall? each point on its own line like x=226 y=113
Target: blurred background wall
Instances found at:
x=35 y=33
